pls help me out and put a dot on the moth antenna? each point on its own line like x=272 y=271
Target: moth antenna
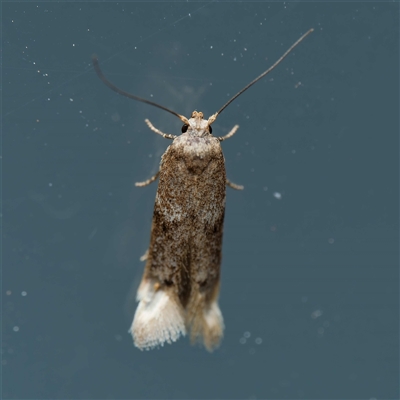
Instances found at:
x=214 y=116
x=100 y=74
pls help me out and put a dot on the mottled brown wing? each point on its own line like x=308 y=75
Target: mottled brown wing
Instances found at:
x=208 y=212
x=186 y=237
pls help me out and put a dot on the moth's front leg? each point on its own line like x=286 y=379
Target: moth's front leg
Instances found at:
x=234 y=185
x=145 y=183
x=229 y=134
x=154 y=129
x=145 y=256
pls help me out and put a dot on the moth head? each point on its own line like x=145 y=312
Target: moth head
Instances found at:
x=196 y=125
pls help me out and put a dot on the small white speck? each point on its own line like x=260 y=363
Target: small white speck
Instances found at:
x=234 y=58
x=247 y=334
x=50 y=184
x=315 y=314
x=73 y=44
x=211 y=47
x=23 y=293
x=71 y=99
x=16 y=328
x=258 y=340
x=277 y=195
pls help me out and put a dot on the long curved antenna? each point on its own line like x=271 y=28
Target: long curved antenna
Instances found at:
x=100 y=74
x=214 y=116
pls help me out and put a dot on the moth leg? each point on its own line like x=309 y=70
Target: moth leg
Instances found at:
x=145 y=256
x=229 y=134
x=145 y=183
x=164 y=135
x=234 y=185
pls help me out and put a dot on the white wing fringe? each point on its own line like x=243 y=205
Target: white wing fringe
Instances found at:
x=159 y=317
x=206 y=322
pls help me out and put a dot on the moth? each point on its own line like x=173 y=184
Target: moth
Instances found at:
x=180 y=284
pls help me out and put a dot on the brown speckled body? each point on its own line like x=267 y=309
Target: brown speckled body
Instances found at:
x=186 y=235
x=184 y=255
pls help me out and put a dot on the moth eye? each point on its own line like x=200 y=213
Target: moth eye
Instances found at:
x=184 y=128
x=209 y=127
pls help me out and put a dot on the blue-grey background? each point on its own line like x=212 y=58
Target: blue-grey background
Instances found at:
x=309 y=281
